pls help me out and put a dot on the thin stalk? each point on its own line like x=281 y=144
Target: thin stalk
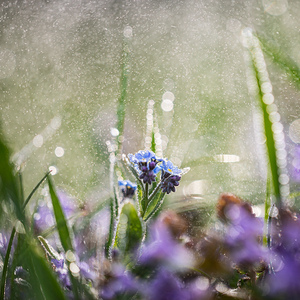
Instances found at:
x=157 y=206
x=21 y=186
x=267 y=205
x=5 y=265
x=123 y=96
x=153 y=194
x=146 y=194
x=33 y=191
x=269 y=238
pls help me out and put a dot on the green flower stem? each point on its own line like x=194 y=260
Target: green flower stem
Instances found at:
x=157 y=206
x=146 y=195
x=153 y=195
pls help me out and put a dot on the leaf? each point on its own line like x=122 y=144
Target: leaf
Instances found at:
x=154 y=205
x=62 y=226
x=260 y=78
x=43 y=276
x=123 y=94
x=129 y=230
x=48 y=248
x=9 y=188
x=63 y=232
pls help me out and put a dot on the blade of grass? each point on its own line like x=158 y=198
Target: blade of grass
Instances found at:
x=259 y=78
x=123 y=94
x=63 y=228
x=63 y=232
x=34 y=190
x=9 y=189
x=44 y=276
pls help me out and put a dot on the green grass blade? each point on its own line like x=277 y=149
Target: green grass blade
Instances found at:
x=44 y=276
x=109 y=243
x=123 y=95
x=62 y=226
x=63 y=232
x=9 y=188
x=48 y=248
x=154 y=205
x=130 y=229
x=271 y=126
x=34 y=190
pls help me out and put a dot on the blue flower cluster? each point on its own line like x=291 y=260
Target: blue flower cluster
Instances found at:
x=127 y=188
x=148 y=165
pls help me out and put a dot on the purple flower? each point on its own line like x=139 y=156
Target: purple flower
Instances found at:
x=286 y=258
x=44 y=217
x=127 y=187
x=145 y=163
x=242 y=236
x=162 y=248
x=170 y=176
x=295 y=168
x=86 y=271
x=123 y=283
x=166 y=286
x=4 y=238
x=62 y=272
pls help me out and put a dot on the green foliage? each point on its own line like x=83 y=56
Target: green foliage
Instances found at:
x=9 y=189
x=129 y=230
x=44 y=282
x=62 y=225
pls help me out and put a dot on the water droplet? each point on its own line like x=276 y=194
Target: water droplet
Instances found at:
x=128 y=32
x=74 y=268
x=59 y=151
x=275 y=7
x=53 y=170
x=168 y=96
x=38 y=141
x=294 y=131
x=114 y=132
x=167 y=105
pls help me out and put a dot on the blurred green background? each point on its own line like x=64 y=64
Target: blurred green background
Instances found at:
x=60 y=82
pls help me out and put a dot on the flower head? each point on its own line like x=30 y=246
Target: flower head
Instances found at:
x=127 y=187
x=170 y=175
x=242 y=236
x=145 y=162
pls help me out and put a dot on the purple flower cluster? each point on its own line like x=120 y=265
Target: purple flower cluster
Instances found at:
x=44 y=217
x=62 y=272
x=283 y=281
x=242 y=235
x=127 y=188
x=147 y=164
x=166 y=257
x=170 y=176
